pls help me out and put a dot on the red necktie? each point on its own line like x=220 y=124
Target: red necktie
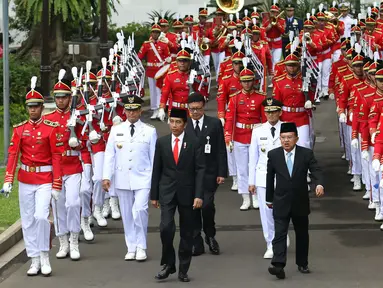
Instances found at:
x=175 y=150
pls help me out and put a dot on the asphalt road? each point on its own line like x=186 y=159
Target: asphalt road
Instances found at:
x=345 y=242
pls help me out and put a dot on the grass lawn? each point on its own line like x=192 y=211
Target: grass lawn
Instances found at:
x=9 y=207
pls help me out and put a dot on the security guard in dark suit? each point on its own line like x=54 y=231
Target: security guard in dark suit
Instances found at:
x=292 y=24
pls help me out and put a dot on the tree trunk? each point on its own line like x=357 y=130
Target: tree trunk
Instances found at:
x=32 y=41
x=59 y=33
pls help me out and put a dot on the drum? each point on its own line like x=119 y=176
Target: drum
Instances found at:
x=163 y=70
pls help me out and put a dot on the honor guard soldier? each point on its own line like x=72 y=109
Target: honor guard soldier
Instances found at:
x=346 y=19
x=67 y=208
x=170 y=38
x=263 y=139
x=288 y=90
x=156 y=53
x=39 y=177
x=275 y=27
x=244 y=114
x=339 y=28
x=129 y=155
x=292 y=24
x=202 y=32
x=176 y=88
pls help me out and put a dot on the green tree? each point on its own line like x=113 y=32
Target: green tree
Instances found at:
x=168 y=15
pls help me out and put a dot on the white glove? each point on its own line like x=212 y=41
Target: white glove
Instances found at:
x=231 y=146
x=86 y=179
x=165 y=40
x=308 y=105
x=168 y=60
x=206 y=40
x=342 y=118
x=331 y=96
x=7 y=189
x=117 y=120
x=161 y=114
x=73 y=142
x=381 y=183
x=337 y=109
x=365 y=155
x=222 y=121
x=373 y=138
x=350 y=116
x=94 y=137
x=355 y=143
x=55 y=194
x=376 y=165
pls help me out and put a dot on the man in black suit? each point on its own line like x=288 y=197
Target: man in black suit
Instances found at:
x=210 y=133
x=292 y=24
x=177 y=182
x=289 y=198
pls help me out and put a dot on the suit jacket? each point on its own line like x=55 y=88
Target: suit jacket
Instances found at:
x=290 y=27
x=290 y=196
x=216 y=160
x=183 y=181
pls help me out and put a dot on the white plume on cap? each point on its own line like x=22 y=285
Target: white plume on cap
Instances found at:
x=115 y=47
x=376 y=56
x=254 y=21
x=183 y=35
x=320 y=7
x=205 y=5
x=61 y=74
x=369 y=11
x=231 y=17
x=111 y=56
x=360 y=16
x=255 y=9
x=355 y=22
x=33 y=82
x=370 y=53
x=291 y=36
x=88 y=65
x=74 y=72
x=308 y=16
x=155 y=20
x=247 y=22
x=275 y=2
x=313 y=11
x=238 y=45
x=235 y=42
x=237 y=15
x=352 y=41
x=246 y=12
x=358 y=48
x=333 y=3
x=235 y=34
x=375 y=4
x=183 y=44
x=245 y=61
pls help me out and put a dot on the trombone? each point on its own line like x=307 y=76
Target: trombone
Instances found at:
x=274 y=20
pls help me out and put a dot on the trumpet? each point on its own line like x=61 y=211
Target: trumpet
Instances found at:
x=274 y=20
x=307 y=37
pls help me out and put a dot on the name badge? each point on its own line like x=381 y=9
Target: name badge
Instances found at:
x=208 y=146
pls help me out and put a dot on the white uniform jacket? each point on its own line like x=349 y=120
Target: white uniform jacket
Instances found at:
x=261 y=143
x=129 y=158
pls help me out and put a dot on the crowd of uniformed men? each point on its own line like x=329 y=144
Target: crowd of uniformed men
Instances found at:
x=68 y=162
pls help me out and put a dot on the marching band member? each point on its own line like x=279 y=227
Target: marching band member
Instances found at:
x=339 y=29
x=156 y=53
x=243 y=114
x=169 y=38
x=39 y=177
x=202 y=32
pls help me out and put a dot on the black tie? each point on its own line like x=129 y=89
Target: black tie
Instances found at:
x=131 y=129
x=273 y=131
x=197 y=129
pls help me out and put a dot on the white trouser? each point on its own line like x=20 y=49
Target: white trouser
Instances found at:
x=319 y=80
x=241 y=155
x=276 y=55
x=86 y=190
x=98 y=193
x=267 y=218
x=134 y=211
x=326 y=69
x=379 y=196
x=207 y=59
x=341 y=136
x=217 y=59
x=34 y=203
x=346 y=141
x=355 y=155
x=155 y=94
x=66 y=210
x=365 y=168
x=231 y=162
x=304 y=136
x=374 y=178
x=336 y=55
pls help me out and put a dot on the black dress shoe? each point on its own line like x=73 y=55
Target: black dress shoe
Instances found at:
x=165 y=272
x=183 y=277
x=198 y=250
x=304 y=269
x=213 y=245
x=277 y=271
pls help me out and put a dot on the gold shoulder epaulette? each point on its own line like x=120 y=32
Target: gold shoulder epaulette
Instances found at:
x=226 y=77
x=281 y=77
x=236 y=93
x=20 y=124
x=358 y=84
x=150 y=125
x=51 y=123
x=49 y=113
x=147 y=41
x=226 y=59
x=348 y=77
x=172 y=71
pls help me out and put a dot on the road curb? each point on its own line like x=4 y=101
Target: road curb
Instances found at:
x=10 y=237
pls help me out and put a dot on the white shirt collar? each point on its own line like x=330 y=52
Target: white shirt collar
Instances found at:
x=292 y=151
x=181 y=137
x=137 y=124
x=200 y=122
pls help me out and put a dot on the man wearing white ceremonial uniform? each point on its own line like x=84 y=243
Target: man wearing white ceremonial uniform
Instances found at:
x=263 y=139
x=129 y=156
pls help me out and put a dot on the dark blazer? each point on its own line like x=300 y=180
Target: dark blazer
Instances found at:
x=216 y=160
x=183 y=180
x=290 y=26
x=290 y=193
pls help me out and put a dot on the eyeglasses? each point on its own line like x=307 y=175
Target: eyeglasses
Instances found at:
x=287 y=138
x=195 y=109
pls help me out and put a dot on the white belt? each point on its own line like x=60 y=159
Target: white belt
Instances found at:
x=244 y=126
x=150 y=64
x=179 y=105
x=274 y=39
x=72 y=153
x=36 y=169
x=293 y=109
